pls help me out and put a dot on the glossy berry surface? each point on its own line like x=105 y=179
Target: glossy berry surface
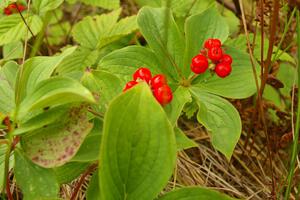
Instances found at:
x=158 y=81
x=13 y=8
x=143 y=74
x=210 y=43
x=163 y=94
x=129 y=85
x=215 y=53
x=223 y=70
x=199 y=64
x=227 y=59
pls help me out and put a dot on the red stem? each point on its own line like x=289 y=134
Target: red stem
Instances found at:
x=80 y=182
x=9 y=195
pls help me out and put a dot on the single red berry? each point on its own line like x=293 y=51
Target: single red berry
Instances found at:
x=158 y=81
x=226 y=59
x=215 y=53
x=223 y=69
x=142 y=74
x=129 y=85
x=210 y=43
x=199 y=64
x=21 y=7
x=7 y=11
x=163 y=94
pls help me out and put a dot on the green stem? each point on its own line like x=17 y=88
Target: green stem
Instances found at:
x=39 y=40
x=6 y=166
x=286 y=28
x=296 y=131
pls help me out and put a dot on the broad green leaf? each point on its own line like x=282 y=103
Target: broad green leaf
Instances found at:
x=69 y=172
x=162 y=34
x=38 y=69
x=199 y=28
x=194 y=193
x=57 y=33
x=42 y=6
x=7 y=85
x=180 y=97
x=108 y=4
x=43 y=119
x=103 y=84
x=153 y=3
x=35 y=182
x=220 y=118
x=126 y=61
x=90 y=148
x=77 y=61
x=55 y=145
x=239 y=84
x=138 y=147
x=182 y=141
x=99 y=31
x=54 y=92
x=13 y=50
x=93 y=191
x=12 y=28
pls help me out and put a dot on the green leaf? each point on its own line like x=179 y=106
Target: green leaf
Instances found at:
x=93 y=191
x=13 y=50
x=180 y=97
x=7 y=85
x=38 y=69
x=239 y=84
x=12 y=28
x=138 y=148
x=104 y=85
x=42 y=6
x=162 y=34
x=199 y=28
x=77 y=61
x=289 y=77
x=108 y=4
x=99 y=31
x=182 y=141
x=194 y=193
x=220 y=118
x=69 y=172
x=54 y=92
x=126 y=61
x=55 y=145
x=41 y=120
x=90 y=148
x=35 y=182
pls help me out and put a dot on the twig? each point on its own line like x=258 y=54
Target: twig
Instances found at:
x=24 y=20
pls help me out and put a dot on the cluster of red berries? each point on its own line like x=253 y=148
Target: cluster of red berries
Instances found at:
x=212 y=51
x=158 y=83
x=14 y=8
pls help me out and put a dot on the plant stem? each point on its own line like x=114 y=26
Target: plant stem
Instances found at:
x=80 y=182
x=296 y=131
x=24 y=20
x=286 y=28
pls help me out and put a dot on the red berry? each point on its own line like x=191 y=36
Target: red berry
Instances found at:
x=21 y=7
x=199 y=64
x=158 y=81
x=7 y=11
x=129 y=85
x=142 y=74
x=226 y=59
x=210 y=43
x=223 y=70
x=163 y=94
x=215 y=53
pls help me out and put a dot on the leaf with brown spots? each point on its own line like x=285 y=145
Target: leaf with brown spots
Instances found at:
x=55 y=145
